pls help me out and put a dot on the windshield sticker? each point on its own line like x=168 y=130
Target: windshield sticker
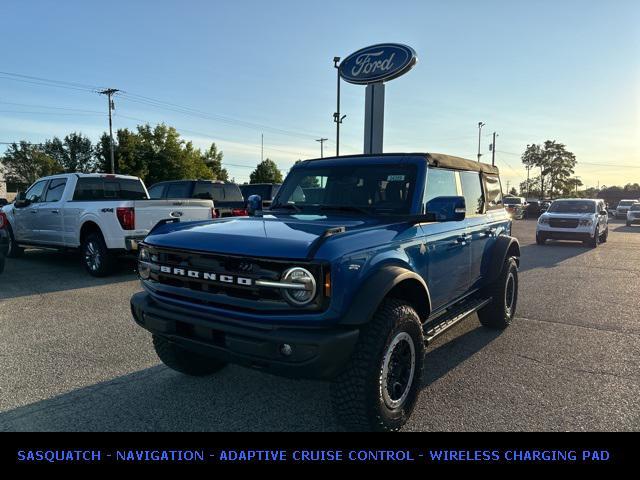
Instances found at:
x=395 y=178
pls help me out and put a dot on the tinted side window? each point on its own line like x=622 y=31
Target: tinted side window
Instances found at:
x=232 y=193
x=179 y=190
x=203 y=191
x=440 y=183
x=472 y=191
x=493 y=192
x=55 y=190
x=98 y=188
x=156 y=192
x=35 y=193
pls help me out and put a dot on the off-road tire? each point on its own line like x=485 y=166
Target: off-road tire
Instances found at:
x=541 y=239
x=628 y=224
x=500 y=312
x=14 y=250
x=184 y=361
x=358 y=392
x=95 y=256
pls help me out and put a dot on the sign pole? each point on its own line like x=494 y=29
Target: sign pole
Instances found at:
x=374 y=118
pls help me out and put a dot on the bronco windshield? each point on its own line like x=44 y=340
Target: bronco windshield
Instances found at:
x=572 y=206
x=386 y=189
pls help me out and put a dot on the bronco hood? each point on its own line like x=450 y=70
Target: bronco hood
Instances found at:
x=289 y=236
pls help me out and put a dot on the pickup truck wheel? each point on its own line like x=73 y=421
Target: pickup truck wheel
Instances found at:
x=184 y=361
x=378 y=388
x=504 y=292
x=95 y=256
x=14 y=251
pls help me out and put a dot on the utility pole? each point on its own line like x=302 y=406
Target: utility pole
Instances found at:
x=528 y=168
x=262 y=147
x=322 y=140
x=109 y=93
x=336 y=116
x=493 y=150
x=480 y=125
x=508 y=183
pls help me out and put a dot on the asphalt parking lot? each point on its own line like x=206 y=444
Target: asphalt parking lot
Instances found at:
x=71 y=358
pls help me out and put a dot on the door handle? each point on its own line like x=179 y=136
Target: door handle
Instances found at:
x=33 y=211
x=490 y=231
x=55 y=211
x=462 y=239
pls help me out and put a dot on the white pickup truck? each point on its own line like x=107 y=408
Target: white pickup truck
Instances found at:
x=101 y=214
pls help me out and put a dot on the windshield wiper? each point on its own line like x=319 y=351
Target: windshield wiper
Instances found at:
x=346 y=208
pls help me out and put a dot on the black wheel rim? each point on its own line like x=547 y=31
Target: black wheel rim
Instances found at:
x=510 y=293
x=398 y=369
x=92 y=256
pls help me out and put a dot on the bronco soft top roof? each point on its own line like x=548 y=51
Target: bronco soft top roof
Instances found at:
x=432 y=159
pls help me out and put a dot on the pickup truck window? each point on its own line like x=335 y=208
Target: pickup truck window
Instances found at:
x=472 y=191
x=55 y=190
x=379 y=188
x=440 y=183
x=179 y=190
x=35 y=193
x=156 y=192
x=493 y=192
x=99 y=188
x=232 y=193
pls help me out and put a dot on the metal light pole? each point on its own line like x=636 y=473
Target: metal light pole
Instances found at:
x=480 y=125
x=336 y=116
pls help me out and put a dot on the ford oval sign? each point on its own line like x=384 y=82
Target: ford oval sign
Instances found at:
x=378 y=63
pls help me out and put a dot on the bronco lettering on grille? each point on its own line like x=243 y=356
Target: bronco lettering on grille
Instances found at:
x=211 y=276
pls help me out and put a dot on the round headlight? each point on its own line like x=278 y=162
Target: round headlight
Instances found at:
x=301 y=296
x=144 y=269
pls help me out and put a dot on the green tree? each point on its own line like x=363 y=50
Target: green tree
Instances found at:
x=74 y=153
x=531 y=188
x=213 y=159
x=156 y=154
x=571 y=185
x=24 y=163
x=555 y=162
x=266 y=172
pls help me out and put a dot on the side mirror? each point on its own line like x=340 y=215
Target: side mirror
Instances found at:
x=21 y=201
x=254 y=205
x=447 y=209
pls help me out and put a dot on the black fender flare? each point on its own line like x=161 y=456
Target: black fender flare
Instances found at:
x=504 y=244
x=375 y=289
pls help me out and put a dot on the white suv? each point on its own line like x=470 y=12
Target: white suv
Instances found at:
x=623 y=207
x=574 y=219
x=633 y=214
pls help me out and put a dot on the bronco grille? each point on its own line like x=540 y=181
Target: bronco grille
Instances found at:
x=563 y=222
x=235 y=278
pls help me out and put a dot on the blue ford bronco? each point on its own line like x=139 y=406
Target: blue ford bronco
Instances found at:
x=360 y=262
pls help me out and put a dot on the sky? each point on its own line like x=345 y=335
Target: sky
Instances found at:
x=565 y=70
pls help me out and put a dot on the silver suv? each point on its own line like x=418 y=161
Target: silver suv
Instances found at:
x=574 y=219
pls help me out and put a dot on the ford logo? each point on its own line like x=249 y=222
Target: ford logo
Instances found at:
x=378 y=63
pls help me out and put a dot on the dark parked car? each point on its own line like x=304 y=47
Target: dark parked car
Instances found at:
x=534 y=209
x=227 y=197
x=267 y=191
x=348 y=280
x=3 y=202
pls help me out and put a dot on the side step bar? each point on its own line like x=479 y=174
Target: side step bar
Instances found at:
x=447 y=320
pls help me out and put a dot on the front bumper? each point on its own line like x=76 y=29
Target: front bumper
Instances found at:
x=316 y=352
x=633 y=219
x=621 y=213
x=579 y=233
